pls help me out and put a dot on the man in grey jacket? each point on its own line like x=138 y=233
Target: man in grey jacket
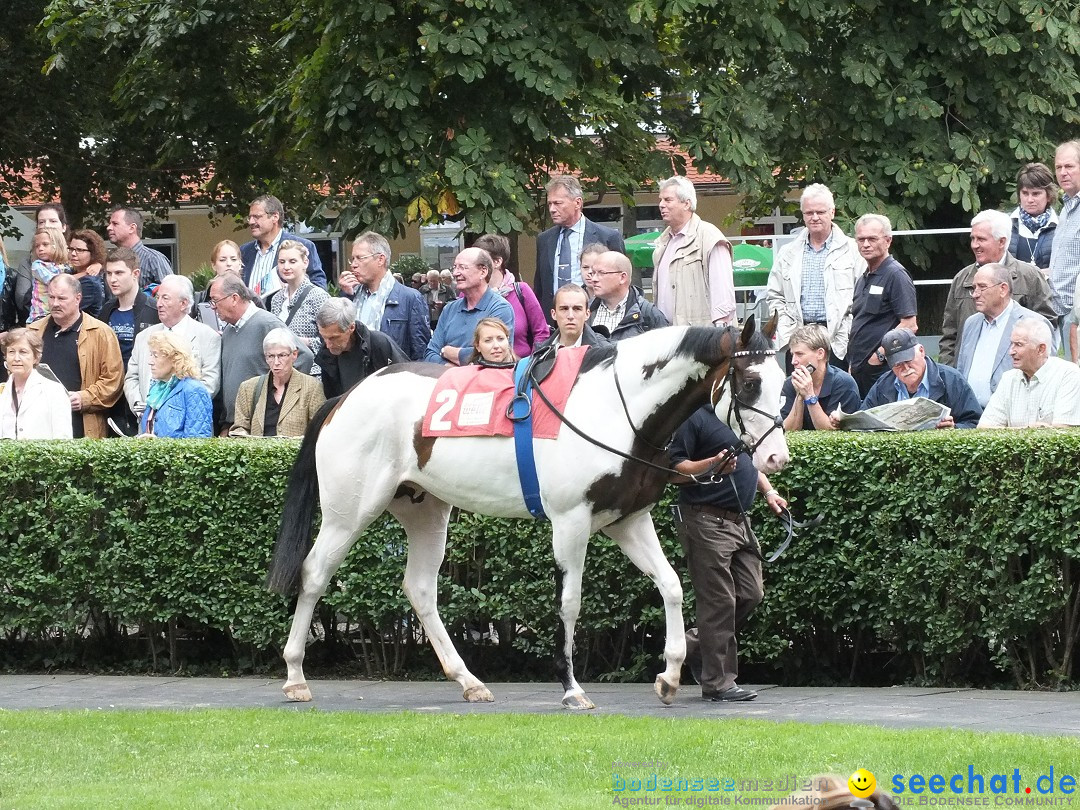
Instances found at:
x=242 y=339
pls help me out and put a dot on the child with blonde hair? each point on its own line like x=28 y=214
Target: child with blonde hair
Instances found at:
x=50 y=260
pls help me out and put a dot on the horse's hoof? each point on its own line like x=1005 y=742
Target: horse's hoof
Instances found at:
x=297 y=691
x=664 y=690
x=578 y=702
x=479 y=694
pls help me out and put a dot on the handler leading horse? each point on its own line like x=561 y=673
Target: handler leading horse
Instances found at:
x=370 y=456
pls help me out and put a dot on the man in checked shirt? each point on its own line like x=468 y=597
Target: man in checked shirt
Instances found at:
x=813 y=279
x=618 y=310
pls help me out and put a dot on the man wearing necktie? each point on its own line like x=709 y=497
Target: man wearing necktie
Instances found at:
x=558 y=249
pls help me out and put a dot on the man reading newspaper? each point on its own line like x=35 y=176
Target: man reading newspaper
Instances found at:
x=914 y=382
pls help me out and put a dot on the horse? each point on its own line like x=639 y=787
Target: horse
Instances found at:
x=366 y=454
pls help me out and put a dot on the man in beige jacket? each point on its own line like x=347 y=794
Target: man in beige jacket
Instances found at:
x=693 y=282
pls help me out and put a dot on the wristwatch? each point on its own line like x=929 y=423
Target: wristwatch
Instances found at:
x=880 y=356
x=812 y=400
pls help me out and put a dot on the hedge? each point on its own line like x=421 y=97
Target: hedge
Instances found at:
x=944 y=558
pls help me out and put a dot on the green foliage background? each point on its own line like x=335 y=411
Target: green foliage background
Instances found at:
x=944 y=558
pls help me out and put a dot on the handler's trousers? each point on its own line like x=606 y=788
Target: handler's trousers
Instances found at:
x=726 y=575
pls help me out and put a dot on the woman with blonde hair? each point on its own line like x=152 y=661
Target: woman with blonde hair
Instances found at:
x=491 y=344
x=299 y=300
x=177 y=405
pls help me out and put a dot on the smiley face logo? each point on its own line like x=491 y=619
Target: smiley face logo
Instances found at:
x=862 y=783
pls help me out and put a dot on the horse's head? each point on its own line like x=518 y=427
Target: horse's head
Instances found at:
x=747 y=397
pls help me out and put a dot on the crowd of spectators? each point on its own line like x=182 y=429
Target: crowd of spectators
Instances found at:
x=846 y=308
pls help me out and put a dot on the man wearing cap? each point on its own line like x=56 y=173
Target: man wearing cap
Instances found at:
x=984 y=342
x=813 y=279
x=1039 y=390
x=913 y=374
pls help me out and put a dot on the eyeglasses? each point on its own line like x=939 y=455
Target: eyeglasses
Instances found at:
x=73 y=249
x=364 y=258
x=463 y=266
x=215 y=301
x=278 y=356
x=591 y=272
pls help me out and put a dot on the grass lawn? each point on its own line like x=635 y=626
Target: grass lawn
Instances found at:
x=267 y=758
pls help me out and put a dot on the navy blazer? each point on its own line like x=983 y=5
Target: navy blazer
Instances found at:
x=544 y=282
x=969 y=337
x=947 y=387
x=406 y=320
x=315 y=269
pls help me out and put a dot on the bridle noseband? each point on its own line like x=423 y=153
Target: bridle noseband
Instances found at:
x=737 y=405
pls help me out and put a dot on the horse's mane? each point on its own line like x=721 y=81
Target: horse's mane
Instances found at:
x=597 y=356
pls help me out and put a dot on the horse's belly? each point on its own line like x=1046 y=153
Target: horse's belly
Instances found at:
x=475 y=474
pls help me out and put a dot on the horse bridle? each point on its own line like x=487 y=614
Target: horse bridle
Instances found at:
x=735 y=406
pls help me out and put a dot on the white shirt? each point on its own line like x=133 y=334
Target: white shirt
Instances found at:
x=1051 y=396
x=982 y=362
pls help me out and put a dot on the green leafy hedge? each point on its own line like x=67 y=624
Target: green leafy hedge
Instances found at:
x=947 y=557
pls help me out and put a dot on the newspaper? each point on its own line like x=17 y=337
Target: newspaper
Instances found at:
x=918 y=413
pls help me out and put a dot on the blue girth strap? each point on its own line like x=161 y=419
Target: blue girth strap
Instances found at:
x=521 y=416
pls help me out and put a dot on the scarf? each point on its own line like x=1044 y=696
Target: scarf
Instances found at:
x=159 y=392
x=1035 y=224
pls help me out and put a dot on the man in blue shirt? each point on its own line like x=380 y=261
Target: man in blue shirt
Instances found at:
x=916 y=375
x=452 y=342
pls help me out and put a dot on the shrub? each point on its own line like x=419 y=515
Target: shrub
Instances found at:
x=945 y=557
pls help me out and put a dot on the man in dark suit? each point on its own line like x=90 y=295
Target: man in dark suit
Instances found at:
x=558 y=249
x=266 y=221
x=986 y=335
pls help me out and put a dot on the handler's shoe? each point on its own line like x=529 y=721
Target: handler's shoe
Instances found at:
x=734 y=693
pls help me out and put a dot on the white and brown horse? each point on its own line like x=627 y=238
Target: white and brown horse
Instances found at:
x=367 y=454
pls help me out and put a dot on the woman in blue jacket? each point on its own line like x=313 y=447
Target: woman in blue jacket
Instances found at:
x=178 y=404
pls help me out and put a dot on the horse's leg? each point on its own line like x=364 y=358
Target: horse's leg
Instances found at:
x=335 y=539
x=425 y=524
x=636 y=536
x=569 y=541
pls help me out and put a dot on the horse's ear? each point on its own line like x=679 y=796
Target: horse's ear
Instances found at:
x=747 y=331
x=770 y=328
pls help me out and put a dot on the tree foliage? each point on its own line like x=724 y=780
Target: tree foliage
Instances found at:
x=920 y=107
x=384 y=112
x=389 y=111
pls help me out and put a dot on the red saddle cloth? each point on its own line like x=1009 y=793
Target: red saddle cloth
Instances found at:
x=473 y=400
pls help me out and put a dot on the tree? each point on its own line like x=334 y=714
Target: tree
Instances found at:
x=923 y=109
x=383 y=112
x=387 y=112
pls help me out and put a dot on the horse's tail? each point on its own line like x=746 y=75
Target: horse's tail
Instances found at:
x=301 y=497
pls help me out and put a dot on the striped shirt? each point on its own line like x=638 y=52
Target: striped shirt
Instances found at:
x=264 y=278
x=1065 y=256
x=609 y=318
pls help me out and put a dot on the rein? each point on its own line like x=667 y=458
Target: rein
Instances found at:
x=735 y=406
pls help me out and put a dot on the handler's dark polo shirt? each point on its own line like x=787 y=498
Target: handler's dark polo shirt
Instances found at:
x=702 y=436
x=881 y=300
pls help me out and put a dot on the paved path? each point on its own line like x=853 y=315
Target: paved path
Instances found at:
x=896 y=707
